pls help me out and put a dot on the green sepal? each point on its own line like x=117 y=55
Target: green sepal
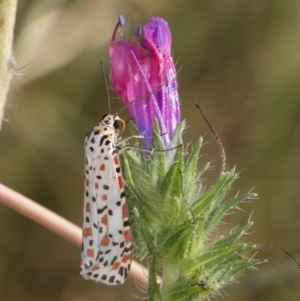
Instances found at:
x=209 y=259
x=215 y=194
x=197 y=238
x=219 y=212
x=225 y=263
x=239 y=267
x=175 y=247
x=156 y=163
x=189 y=174
x=232 y=238
x=177 y=136
x=171 y=191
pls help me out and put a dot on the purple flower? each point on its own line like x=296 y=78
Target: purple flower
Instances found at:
x=146 y=74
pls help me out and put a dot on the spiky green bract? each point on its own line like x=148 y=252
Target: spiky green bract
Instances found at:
x=174 y=221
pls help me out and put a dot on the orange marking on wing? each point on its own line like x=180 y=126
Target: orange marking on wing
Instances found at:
x=116 y=266
x=120 y=180
x=88 y=207
x=87 y=182
x=96 y=185
x=104 y=241
x=102 y=167
x=104 y=197
x=90 y=253
x=104 y=220
x=125 y=211
x=127 y=236
x=87 y=232
x=125 y=258
x=116 y=160
x=86 y=161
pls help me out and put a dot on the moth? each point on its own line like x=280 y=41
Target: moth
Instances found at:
x=107 y=240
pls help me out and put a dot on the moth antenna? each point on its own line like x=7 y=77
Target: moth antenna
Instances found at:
x=139 y=98
x=223 y=156
x=106 y=86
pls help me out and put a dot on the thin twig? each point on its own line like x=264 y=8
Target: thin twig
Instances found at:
x=57 y=224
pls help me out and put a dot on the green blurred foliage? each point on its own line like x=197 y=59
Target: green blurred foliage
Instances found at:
x=239 y=60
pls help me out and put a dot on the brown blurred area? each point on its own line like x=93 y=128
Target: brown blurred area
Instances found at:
x=240 y=60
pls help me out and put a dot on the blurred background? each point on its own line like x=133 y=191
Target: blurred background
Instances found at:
x=239 y=60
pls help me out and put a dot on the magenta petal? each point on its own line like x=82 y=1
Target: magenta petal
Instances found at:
x=157 y=36
x=149 y=76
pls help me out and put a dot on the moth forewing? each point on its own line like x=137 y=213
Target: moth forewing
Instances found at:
x=107 y=243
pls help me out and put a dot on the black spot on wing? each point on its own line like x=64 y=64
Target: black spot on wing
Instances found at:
x=104 y=137
x=114 y=260
x=121 y=271
x=100 y=210
x=126 y=223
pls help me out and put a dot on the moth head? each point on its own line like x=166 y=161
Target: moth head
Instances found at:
x=119 y=125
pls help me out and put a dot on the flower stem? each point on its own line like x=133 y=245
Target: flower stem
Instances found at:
x=153 y=288
x=7 y=64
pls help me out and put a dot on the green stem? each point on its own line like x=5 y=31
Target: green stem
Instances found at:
x=153 y=287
